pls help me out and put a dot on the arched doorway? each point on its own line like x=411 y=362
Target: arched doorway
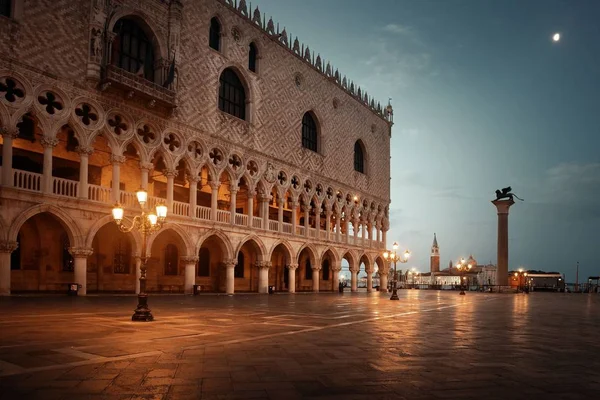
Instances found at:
x=279 y=277
x=306 y=276
x=328 y=269
x=210 y=272
x=165 y=270
x=246 y=272
x=112 y=267
x=45 y=263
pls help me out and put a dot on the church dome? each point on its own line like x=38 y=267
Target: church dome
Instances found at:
x=471 y=261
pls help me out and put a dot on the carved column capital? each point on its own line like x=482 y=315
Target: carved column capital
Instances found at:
x=8 y=246
x=230 y=263
x=354 y=269
x=117 y=159
x=84 y=150
x=263 y=264
x=336 y=268
x=193 y=178
x=80 y=252
x=214 y=185
x=146 y=166
x=5 y=132
x=190 y=259
x=292 y=266
x=316 y=267
x=170 y=173
x=48 y=142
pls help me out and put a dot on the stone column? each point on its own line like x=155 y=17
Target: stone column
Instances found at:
x=250 y=206
x=338 y=227
x=6 y=248
x=316 y=278
x=232 y=203
x=502 y=207
x=370 y=234
x=138 y=273
x=190 y=273
x=306 y=209
x=116 y=162
x=336 y=277
x=193 y=180
x=355 y=226
x=7 y=154
x=384 y=237
x=383 y=280
x=347 y=226
x=263 y=276
x=145 y=168
x=48 y=143
x=170 y=174
x=230 y=276
x=294 y=216
x=328 y=222
x=214 y=199
x=280 y=202
x=318 y=222
x=80 y=256
x=265 y=211
x=84 y=154
x=369 y=280
x=292 y=277
x=354 y=278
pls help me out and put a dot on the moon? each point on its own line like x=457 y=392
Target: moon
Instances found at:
x=556 y=37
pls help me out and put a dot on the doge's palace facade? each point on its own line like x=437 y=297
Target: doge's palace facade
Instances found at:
x=273 y=165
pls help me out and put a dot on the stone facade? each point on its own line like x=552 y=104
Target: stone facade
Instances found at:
x=249 y=206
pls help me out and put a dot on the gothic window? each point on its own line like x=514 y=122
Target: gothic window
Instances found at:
x=204 y=262
x=326 y=270
x=309 y=132
x=5 y=8
x=308 y=270
x=121 y=257
x=232 y=96
x=252 y=55
x=214 y=35
x=15 y=256
x=238 y=271
x=27 y=127
x=132 y=49
x=72 y=141
x=68 y=264
x=171 y=260
x=359 y=157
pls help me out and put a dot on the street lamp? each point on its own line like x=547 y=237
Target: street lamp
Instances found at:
x=146 y=223
x=522 y=277
x=392 y=256
x=462 y=267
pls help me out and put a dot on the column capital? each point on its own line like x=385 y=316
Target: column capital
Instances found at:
x=214 y=185
x=48 y=141
x=193 y=178
x=292 y=266
x=280 y=201
x=81 y=252
x=84 y=150
x=316 y=267
x=117 y=159
x=354 y=269
x=189 y=259
x=8 y=246
x=170 y=173
x=230 y=263
x=336 y=268
x=263 y=264
x=502 y=206
x=9 y=133
x=146 y=166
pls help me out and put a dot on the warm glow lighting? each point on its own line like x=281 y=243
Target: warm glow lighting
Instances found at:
x=406 y=255
x=520 y=269
x=386 y=255
x=142 y=196
x=117 y=213
x=516 y=274
x=355 y=198
x=395 y=246
x=152 y=218
x=525 y=274
x=161 y=211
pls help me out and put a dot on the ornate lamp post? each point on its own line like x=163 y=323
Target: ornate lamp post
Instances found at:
x=521 y=277
x=462 y=267
x=146 y=223
x=392 y=256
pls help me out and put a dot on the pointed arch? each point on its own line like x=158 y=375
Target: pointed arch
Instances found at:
x=311 y=131
x=312 y=252
x=335 y=256
x=287 y=246
x=222 y=239
x=183 y=235
x=233 y=92
x=108 y=219
x=366 y=259
x=252 y=57
x=360 y=157
x=215 y=33
x=350 y=257
x=262 y=250
x=76 y=237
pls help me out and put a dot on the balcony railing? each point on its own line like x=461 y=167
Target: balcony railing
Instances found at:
x=65 y=187
x=139 y=86
x=241 y=219
x=27 y=180
x=273 y=225
x=257 y=222
x=99 y=194
x=203 y=212
x=223 y=216
x=180 y=208
x=287 y=228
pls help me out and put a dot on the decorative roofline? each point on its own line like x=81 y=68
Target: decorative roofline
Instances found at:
x=303 y=53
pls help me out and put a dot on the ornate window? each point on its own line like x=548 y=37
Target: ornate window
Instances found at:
x=326 y=270
x=232 y=96
x=309 y=132
x=204 y=262
x=238 y=271
x=308 y=270
x=214 y=35
x=132 y=50
x=5 y=6
x=171 y=260
x=252 y=56
x=359 y=157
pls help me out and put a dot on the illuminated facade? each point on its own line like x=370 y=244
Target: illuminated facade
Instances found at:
x=273 y=165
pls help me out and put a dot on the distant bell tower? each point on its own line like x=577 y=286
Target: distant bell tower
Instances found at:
x=434 y=264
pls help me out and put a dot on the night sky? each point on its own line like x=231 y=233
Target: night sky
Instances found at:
x=483 y=99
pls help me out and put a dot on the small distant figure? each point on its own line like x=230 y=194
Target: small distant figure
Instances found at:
x=341 y=287
x=505 y=193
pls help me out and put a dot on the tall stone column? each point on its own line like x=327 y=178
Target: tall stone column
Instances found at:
x=502 y=207
x=145 y=168
x=306 y=209
x=116 y=162
x=294 y=216
x=230 y=276
x=263 y=276
x=383 y=279
x=7 y=154
x=84 y=154
x=250 y=207
x=292 y=277
x=138 y=273
x=335 y=277
x=318 y=222
x=214 y=198
x=265 y=211
x=280 y=202
x=193 y=181
x=48 y=143
x=80 y=256
x=370 y=233
x=6 y=248
x=355 y=226
x=369 y=280
x=347 y=229
x=354 y=278
x=170 y=174
x=232 y=203
x=338 y=227
x=190 y=273
x=316 y=278
x=328 y=213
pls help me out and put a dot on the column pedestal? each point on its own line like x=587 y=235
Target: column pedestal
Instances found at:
x=190 y=274
x=229 y=274
x=502 y=207
x=354 y=280
x=292 y=278
x=80 y=256
x=316 y=277
x=263 y=277
x=369 y=281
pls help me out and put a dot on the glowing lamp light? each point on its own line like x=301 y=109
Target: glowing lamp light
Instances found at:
x=142 y=196
x=406 y=255
x=117 y=213
x=386 y=255
x=161 y=211
x=153 y=219
x=395 y=245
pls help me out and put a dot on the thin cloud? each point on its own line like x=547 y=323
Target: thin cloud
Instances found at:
x=398 y=29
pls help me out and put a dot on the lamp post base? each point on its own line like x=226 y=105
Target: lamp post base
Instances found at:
x=142 y=312
x=394 y=295
x=462 y=292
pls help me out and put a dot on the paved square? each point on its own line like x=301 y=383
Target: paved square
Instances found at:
x=428 y=345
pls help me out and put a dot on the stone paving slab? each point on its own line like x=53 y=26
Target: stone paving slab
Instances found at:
x=428 y=345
